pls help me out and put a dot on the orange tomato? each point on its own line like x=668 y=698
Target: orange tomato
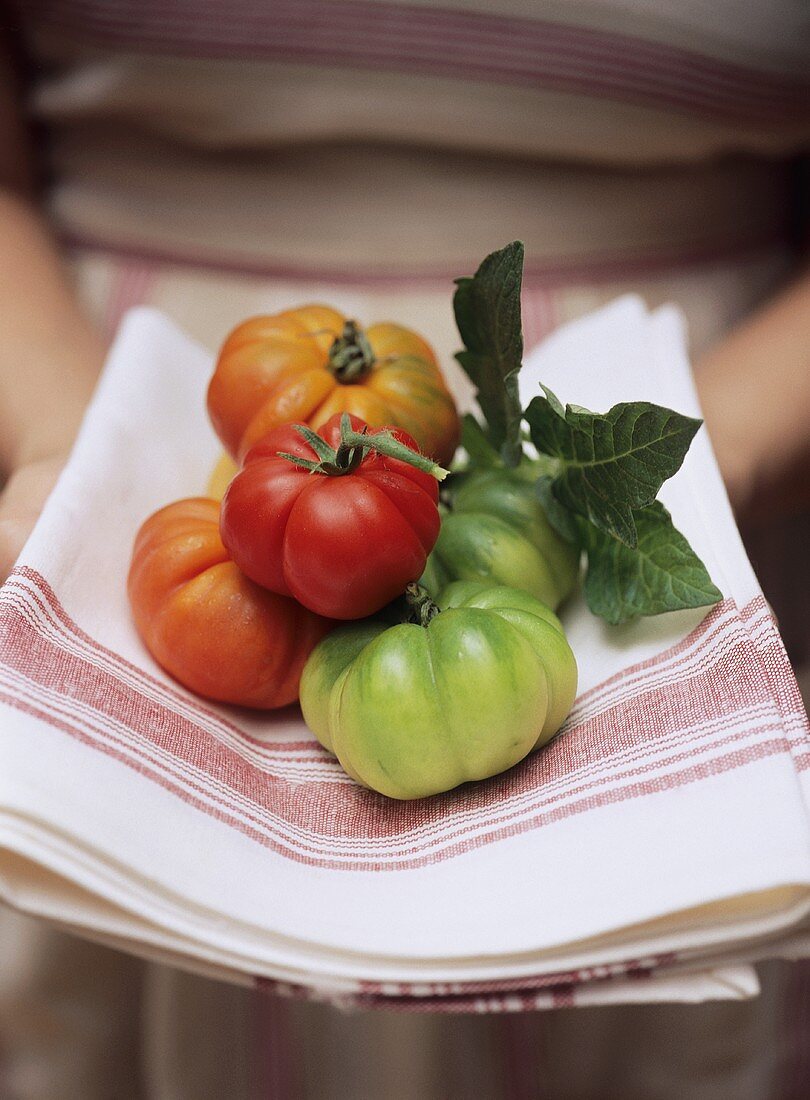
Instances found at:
x=205 y=623
x=304 y=365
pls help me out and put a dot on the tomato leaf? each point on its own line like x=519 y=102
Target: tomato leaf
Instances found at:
x=561 y=519
x=602 y=472
x=475 y=443
x=661 y=573
x=612 y=464
x=487 y=311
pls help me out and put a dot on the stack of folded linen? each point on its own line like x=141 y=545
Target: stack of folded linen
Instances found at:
x=656 y=849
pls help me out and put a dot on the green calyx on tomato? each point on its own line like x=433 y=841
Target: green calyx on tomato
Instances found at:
x=351 y=356
x=352 y=448
x=341 y=520
x=480 y=679
x=496 y=531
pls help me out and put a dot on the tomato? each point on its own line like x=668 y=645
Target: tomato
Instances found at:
x=221 y=476
x=411 y=710
x=497 y=532
x=342 y=540
x=205 y=623
x=304 y=365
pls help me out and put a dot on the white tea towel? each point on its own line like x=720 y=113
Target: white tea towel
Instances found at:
x=654 y=850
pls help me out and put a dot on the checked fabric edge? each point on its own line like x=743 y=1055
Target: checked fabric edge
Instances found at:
x=515 y=995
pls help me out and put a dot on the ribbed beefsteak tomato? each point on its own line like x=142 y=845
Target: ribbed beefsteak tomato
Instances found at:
x=304 y=365
x=205 y=622
x=463 y=691
x=344 y=531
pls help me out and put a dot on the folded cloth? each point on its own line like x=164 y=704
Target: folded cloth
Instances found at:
x=654 y=850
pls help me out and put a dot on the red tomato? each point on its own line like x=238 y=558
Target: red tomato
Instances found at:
x=208 y=625
x=343 y=546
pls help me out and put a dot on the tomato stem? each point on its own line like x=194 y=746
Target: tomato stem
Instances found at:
x=348 y=458
x=352 y=449
x=351 y=356
x=421 y=608
x=385 y=443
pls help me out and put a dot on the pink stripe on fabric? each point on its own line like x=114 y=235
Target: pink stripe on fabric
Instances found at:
x=554 y=272
x=546 y=786
x=166 y=695
x=357 y=845
x=224 y=809
x=321 y=19
x=149 y=735
x=469 y=819
x=594 y=701
x=442 y=42
x=590 y=705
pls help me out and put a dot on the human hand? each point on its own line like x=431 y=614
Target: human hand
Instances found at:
x=50 y=356
x=754 y=388
x=22 y=499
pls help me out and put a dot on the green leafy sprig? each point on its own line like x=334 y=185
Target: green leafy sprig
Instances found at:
x=487 y=310
x=607 y=469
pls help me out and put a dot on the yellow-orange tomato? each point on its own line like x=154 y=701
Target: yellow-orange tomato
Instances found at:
x=304 y=365
x=205 y=623
x=223 y=473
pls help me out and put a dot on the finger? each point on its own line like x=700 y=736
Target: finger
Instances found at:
x=14 y=533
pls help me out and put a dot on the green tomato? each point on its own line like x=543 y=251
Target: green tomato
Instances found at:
x=412 y=710
x=497 y=532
